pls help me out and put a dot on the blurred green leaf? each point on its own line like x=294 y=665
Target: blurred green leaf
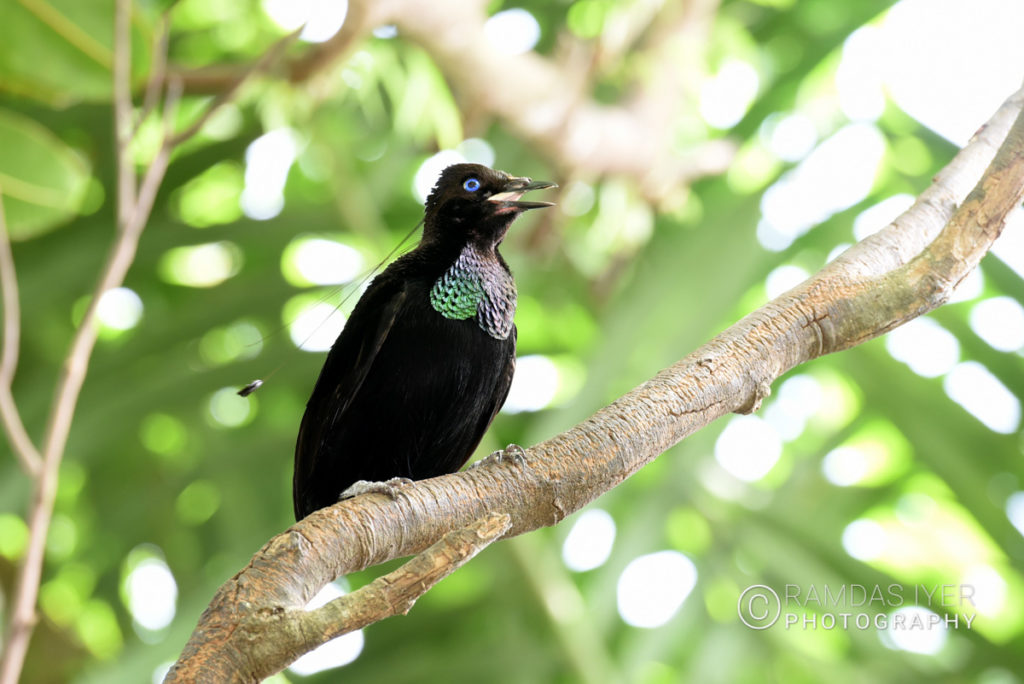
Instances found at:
x=43 y=180
x=61 y=51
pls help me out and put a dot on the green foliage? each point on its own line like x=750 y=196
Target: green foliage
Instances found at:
x=61 y=51
x=43 y=180
x=166 y=464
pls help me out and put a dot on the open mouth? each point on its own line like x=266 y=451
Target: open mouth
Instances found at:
x=508 y=198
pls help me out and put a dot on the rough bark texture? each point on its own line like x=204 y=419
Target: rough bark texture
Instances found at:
x=900 y=273
x=295 y=631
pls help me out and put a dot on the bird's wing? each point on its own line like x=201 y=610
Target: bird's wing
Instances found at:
x=344 y=371
x=501 y=387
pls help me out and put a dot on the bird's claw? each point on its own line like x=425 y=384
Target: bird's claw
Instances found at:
x=513 y=454
x=388 y=488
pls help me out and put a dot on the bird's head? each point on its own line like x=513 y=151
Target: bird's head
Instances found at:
x=471 y=202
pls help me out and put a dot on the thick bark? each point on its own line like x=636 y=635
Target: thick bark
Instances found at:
x=902 y=272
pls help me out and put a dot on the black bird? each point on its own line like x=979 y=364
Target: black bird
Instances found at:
x=426 y=358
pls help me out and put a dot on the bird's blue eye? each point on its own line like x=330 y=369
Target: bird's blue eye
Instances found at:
x=471 y=184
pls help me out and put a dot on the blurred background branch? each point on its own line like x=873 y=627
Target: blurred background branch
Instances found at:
x=546 y=101
x=26 y=452
x=131 y=218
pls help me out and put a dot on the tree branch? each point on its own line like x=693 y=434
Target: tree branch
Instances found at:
x=288 y=630
x=123 y=108
x=28 y=456
x=904 y=271
x=318 y=59
x=157 y=72
x=263 y=64
x=23 y=614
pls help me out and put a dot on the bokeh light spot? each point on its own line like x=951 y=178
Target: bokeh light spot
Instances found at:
x=1000 y=322
x=197 y=502
x=797 y=399
x=211 y=198
x=790 y=137
x=235 y=342
x=836 y=175
x=120 y=309
x=62 y=537
x=652 y=588
x=313 y=325
x=322 y=18
x=267 y=162
x=13 y=536
x=859 y=76
x=476 y=151
x=748 y=448
x=316 y=261
x=578 y=199
x=725 y=98
x=428 y=172
x=1015 y=511
x=205 y=265
x=97 y=628
x=974 y=387
x=512 y=31
x=925 y=346
x=227 y=409
x=152 y=594
x=784 y=278
x=534 y=384
x=915 y=629
x=864 y=539
x=918 y=72
x=334 y=653
x=589 y=542
x=989 y=590
x=878 y=216
x=163 y=434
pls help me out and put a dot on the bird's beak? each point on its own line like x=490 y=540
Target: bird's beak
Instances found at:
x=509 y=196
